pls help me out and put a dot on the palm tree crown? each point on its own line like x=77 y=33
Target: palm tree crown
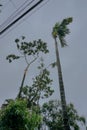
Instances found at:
x=60 y=30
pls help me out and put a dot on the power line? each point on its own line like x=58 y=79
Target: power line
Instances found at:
x=16 y=20
x=16 y=13
x=24 y=19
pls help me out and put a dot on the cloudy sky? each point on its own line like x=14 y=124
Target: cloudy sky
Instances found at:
x=38 y=24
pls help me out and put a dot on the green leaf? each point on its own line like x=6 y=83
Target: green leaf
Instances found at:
x=17 y=40
x=23 y=37
x=54 y=64
x=18 y=46
x=83 y=120
x=67 y=21
x=12 y=57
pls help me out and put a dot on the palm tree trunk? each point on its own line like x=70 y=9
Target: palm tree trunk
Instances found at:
x=62 y=92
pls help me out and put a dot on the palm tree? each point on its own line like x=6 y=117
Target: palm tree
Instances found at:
x=60 y=30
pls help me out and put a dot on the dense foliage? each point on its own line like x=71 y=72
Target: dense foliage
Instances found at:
x=53 y=118
x=16 y=116
x=60 y=30
x=41 y=87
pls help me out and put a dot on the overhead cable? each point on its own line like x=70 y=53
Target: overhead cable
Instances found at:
x=25 y=19
x=16 y=20
x=16 y=13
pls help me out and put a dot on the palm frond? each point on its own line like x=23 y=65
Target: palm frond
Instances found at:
x=60 y=30
x=55 y=30
x=67 y=21
x=62 y=41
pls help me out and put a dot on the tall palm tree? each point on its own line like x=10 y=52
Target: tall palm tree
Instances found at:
x=60 y=30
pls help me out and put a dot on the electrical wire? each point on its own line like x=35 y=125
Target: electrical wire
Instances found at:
x=24 y=19
x=9 y=19
x=17 y=19
x=16 y=13
x=11 y=14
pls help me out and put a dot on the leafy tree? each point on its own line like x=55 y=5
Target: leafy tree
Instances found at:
x=41 y=87
x=28 y=51
x=53 y=118
x=32 y=94
x=16 y=116
x=41 y=83
x=60 y=30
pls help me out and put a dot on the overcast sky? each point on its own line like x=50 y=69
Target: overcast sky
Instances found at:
x=39 y=25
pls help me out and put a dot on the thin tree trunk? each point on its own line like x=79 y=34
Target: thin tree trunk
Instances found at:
x=22 y=83
x=24 y=76
x=62 y=92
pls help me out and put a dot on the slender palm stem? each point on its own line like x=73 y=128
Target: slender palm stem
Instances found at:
x=61 y=86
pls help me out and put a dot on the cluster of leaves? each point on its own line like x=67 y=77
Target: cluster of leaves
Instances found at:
x=41 y=83
x=12 y=57
x=32 y=48
x=16 y=116
x=52 y=113
x=41 y=87
x=60 y=30
x=28 y=48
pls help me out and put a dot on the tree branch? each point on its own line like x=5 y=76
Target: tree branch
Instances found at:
x=24 y=76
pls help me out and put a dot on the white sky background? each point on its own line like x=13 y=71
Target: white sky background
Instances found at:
x=39 y=25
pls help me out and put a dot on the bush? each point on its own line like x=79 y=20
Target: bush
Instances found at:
x=16 y=116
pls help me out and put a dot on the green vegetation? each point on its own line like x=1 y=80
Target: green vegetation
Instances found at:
x=52 y=115
x=28 y=51
x=16 y=116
